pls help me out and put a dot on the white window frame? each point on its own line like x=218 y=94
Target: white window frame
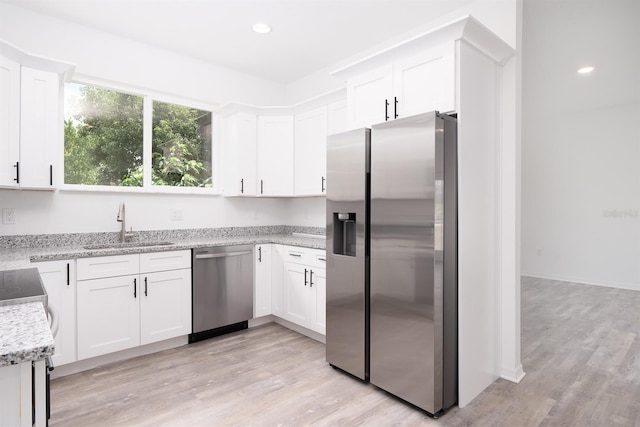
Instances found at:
x=148 y=96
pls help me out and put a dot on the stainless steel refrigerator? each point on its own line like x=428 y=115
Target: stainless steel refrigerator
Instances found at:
x=392 y=257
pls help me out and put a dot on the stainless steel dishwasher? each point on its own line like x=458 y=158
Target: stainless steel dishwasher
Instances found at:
x=222 y=290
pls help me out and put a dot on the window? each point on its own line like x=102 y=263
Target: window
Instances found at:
x=106 y=134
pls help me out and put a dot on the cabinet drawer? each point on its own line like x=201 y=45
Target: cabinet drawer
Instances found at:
x=318 y=258
x=296 y=255
x=107 y=266
x=164 y=261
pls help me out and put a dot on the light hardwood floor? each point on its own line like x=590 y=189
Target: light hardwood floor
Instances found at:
x=580 y=350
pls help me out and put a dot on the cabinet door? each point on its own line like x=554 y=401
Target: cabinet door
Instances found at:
x=296 y=293
x=425 y=82
x=39 y=127
x=262 y=281
x=165 y=305
x=310 y=152
x=318 y=300
x=240 y=137
x=9 y=122
x=277 y=280
x=108 y=315
x=367 y=96
x=337 y=117
x=275 y=156
x=59 y=281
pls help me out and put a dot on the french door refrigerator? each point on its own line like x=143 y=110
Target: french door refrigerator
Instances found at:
x=392 y=257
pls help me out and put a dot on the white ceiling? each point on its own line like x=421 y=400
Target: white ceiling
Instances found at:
x=307 y=34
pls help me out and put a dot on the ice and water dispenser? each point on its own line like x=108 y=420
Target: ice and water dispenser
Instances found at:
x=344 y=233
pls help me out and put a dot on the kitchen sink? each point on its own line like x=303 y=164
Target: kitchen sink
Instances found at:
x=127 y=245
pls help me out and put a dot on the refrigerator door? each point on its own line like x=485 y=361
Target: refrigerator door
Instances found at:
x=347 y=251
x=407 y=163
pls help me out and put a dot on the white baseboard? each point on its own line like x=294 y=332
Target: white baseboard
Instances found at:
x=514 y=375
x=583 y=281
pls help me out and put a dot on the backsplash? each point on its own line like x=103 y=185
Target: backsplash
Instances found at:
x=81 y=239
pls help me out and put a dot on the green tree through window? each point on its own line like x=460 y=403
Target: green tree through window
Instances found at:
x=103 y=140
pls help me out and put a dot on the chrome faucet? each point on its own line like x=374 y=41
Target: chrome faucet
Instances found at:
x=123 y=230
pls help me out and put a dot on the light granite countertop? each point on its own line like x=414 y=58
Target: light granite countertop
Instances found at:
x=18 y=257
x=25 y=333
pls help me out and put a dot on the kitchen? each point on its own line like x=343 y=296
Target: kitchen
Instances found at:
x=150 y=211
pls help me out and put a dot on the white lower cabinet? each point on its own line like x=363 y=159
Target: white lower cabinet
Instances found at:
x=58 y=278
x=304 y=287
x=262 y=281
x=23 y=394
x=124 y=311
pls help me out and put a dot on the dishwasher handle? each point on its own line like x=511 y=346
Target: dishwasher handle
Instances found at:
x=222 y=255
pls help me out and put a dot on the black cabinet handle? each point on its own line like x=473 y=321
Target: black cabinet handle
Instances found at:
x=145 y=286
x=261 y=186
x=395 y=107
x=295 y=255
x=68 y=275
x=386 y=110
x=311 y=278
x=242 y=186
x=17 y=178
x=50 y=174
x=323 y=180
x=135 y=288
x=305 y=277
x=259 y=253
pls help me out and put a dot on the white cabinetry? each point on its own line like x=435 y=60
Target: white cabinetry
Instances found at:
x=29 y=118
x=408 y=86
x=128 y=300
x=39 y=127
x=59 y=281
x=275 y=156
x=311 y=152
x=304 y=287
x=277 y=270
x=337 y=117
x=262 y=281
x=239 y=142
x=9 y=122
x=23 y=394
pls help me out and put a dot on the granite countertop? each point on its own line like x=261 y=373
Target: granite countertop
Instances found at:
x=22 y=257
x=25 y=333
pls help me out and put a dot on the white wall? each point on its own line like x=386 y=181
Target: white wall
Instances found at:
x=581 y=142
x=306 y=211
x=581 y=198
x=44 y=212
x=112 y=58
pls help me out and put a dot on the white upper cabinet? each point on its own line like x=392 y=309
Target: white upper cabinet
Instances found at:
x=39 y=128
x=239 y=142
x=368 y=97
x=275 y=156
x=9 y=122
x=424 y=82
x=409 y=85
x=30 y=120
x=337 y=117
x=311 y=152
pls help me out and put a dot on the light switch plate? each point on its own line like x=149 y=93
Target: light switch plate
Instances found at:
x=175 y=215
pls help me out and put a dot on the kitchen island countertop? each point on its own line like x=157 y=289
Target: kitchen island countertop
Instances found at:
x=25 y=333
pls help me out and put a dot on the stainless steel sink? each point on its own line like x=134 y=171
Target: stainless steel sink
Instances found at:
x=127 y=245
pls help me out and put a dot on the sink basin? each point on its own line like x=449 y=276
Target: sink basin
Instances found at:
x=127 y=245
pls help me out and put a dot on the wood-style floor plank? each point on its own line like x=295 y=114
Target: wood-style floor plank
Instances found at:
x=580 y=349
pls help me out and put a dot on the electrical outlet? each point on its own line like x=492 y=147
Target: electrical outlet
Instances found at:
x=175 y=215
x=8 y=216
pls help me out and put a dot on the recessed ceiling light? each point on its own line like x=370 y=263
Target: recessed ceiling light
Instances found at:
x=585 y=70
x=261 y=28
